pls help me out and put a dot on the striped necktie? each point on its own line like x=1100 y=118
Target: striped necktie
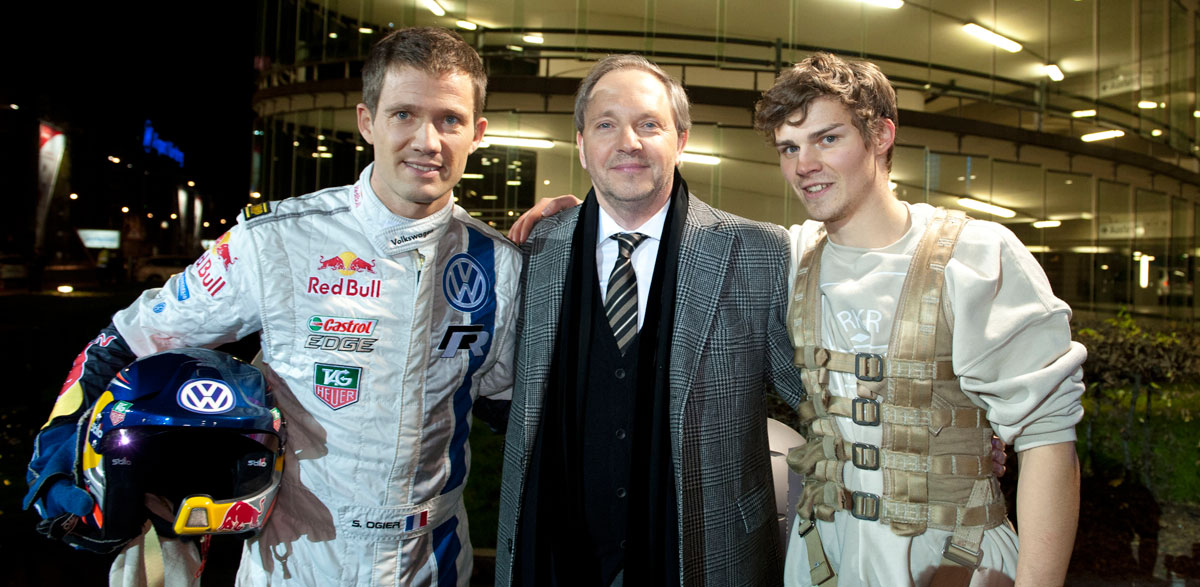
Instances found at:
x=621 y=301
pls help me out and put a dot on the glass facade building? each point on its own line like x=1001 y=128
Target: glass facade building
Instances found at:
x=1113 y=221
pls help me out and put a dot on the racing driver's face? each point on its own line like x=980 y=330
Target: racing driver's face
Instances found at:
x=423 y=129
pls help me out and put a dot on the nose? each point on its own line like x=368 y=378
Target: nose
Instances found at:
x=630 y=141
x=426 y=138
x=807 y=161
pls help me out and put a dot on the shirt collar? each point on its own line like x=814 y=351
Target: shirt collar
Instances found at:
x=652 y=228
x=392 y=234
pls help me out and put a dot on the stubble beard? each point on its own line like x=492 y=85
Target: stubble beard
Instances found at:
x=628 y=197
x=825 y=209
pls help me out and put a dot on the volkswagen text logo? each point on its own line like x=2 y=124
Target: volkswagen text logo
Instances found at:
x=206 y=396
x=465 y=283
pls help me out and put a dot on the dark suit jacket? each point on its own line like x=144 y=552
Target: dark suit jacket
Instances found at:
x=730 y=339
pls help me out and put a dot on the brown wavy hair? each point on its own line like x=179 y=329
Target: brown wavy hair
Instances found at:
x=433 y=50
x=859 y=85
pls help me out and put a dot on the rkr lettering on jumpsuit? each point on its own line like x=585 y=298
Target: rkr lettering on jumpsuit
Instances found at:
x=212 y=283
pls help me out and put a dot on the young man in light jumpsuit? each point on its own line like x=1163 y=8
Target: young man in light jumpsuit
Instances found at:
x=385 y=312
x=834 y=123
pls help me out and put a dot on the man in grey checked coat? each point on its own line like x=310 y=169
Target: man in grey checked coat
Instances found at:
x=720 y=281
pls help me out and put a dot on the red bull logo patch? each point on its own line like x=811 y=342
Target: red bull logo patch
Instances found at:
x=81 y=360
x=347 y=263
x=241 y=516
x=220 y=250
x=345 y=287
x=212 y=283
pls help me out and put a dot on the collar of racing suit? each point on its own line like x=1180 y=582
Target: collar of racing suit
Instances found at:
x=392 y=234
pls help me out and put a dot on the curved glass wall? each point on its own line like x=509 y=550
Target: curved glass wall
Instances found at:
x=1127 y=65
x=1113 y=228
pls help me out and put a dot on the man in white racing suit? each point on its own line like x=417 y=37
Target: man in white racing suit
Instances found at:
x=385 y=312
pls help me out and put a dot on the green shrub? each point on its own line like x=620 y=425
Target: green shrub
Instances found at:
x=1142 y=384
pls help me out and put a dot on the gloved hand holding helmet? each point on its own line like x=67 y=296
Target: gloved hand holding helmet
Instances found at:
x=188 y=438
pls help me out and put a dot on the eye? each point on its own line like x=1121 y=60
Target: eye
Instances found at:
x=604 y=125
x=650 y=125
x=829 y=139
x=402 y=115
x=789 y=150
x=452 y=120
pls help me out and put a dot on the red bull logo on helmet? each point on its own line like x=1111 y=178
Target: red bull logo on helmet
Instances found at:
x=242 y=516
x=347 y=263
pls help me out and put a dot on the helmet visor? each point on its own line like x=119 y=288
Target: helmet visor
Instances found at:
x=177 y=462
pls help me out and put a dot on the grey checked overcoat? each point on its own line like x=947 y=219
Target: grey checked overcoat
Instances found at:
x=730 y=340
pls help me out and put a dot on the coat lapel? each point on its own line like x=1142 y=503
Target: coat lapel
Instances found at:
x=703 y=260
x=549 y=259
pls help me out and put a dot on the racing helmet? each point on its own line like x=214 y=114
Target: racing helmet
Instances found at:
x=190 y=439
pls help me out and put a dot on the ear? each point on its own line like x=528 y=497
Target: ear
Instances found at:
x=885 y=136
x=364 y=123
x=682 y=139
x=579 y=145
x=480 y=127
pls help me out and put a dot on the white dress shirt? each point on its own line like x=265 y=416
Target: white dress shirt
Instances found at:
x=643 y=256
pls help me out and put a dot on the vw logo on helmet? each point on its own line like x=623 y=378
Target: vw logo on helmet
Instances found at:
x=465 y=283
x=206 y=396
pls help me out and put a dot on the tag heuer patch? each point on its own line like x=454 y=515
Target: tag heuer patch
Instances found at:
x=259 y=209
x=336 y=385
x=117 y=414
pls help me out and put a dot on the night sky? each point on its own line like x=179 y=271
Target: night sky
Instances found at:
x=102 y=69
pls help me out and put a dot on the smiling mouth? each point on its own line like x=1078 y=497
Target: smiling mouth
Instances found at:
x=422 y=168
x=812 y=189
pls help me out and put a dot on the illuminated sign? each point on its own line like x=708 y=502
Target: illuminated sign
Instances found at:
x=96 y=238
x=151 y=141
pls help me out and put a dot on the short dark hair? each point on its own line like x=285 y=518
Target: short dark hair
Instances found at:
x=859 y=85
x=433 y=50
x=680 y=107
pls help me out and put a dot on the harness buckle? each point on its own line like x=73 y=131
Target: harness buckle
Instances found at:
x=961 y=556
x=864 y=506
x=801 y=529
x=868 y=366
x=865 y=412
x=865 y=456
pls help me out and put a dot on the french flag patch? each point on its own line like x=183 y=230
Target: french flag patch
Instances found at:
x=416 y=521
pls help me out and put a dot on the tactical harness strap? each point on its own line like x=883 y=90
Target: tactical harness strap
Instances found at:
x=936 y=451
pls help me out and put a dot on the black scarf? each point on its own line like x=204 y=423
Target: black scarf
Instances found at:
x=553 y=549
